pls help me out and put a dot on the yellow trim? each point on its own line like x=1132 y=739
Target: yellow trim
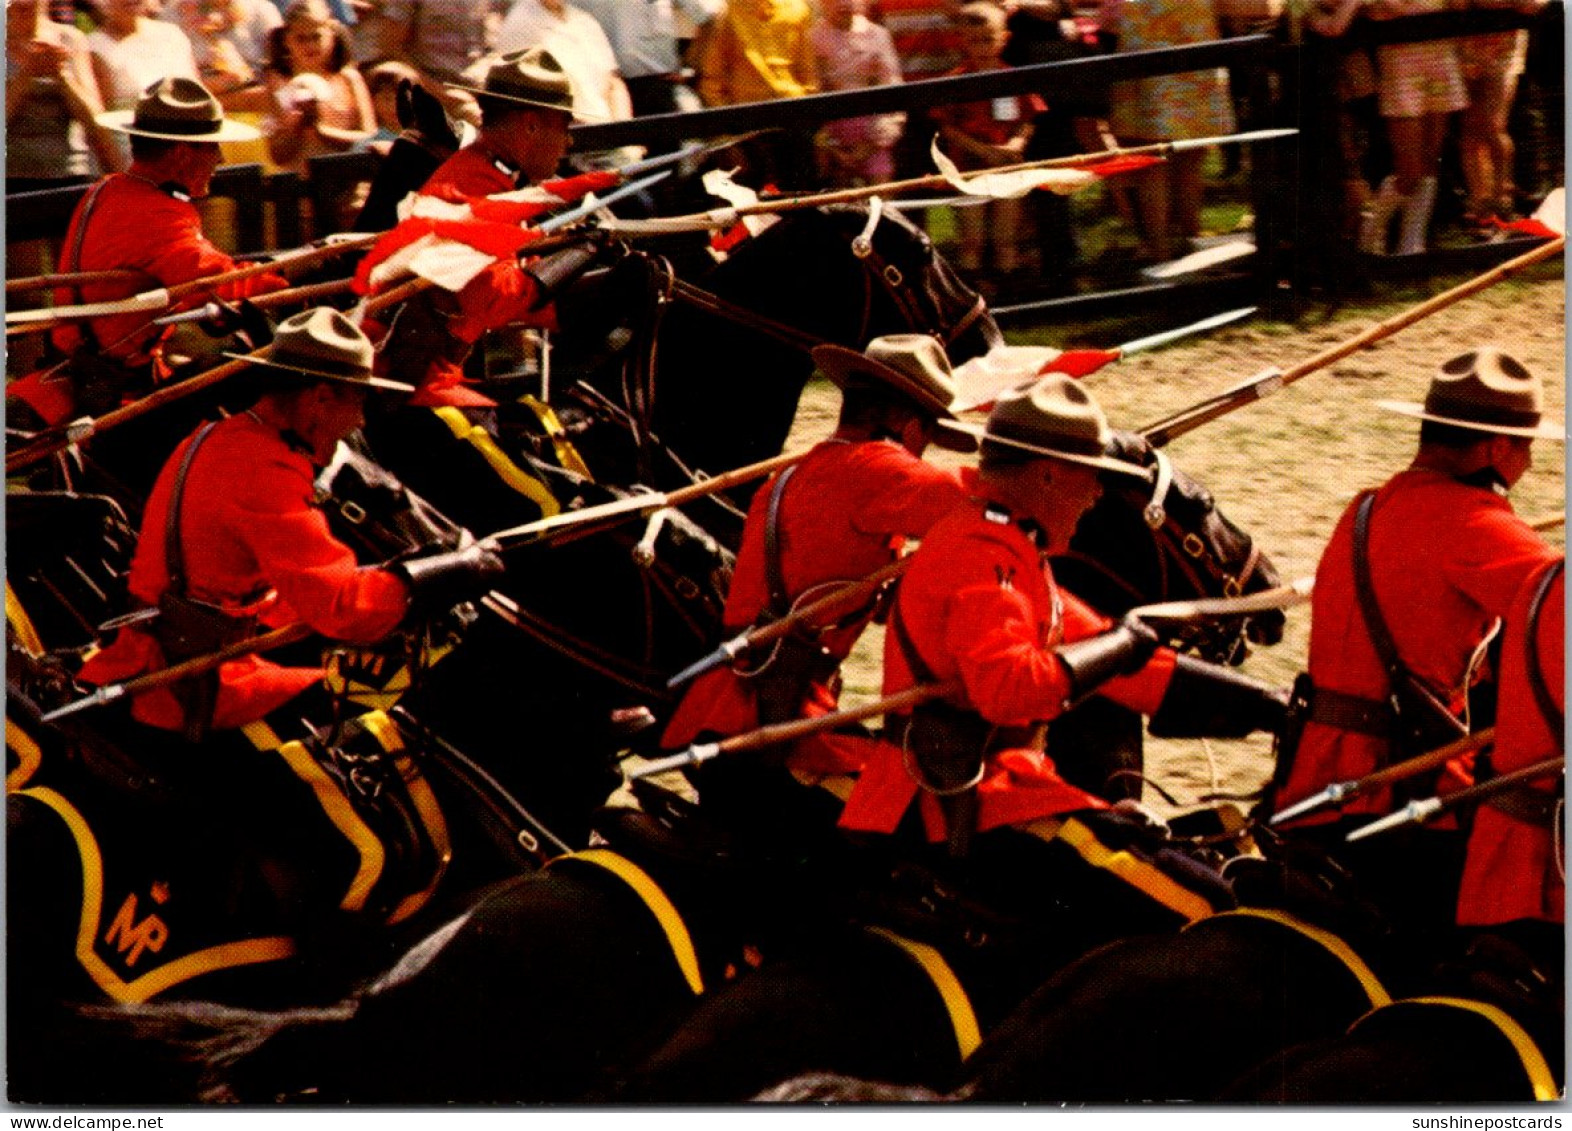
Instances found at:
x=567 y=455
x=1133 y=871
x=656 y=900
x=223 y=957
x=1534 y=1063
x=1366 y=977
x=386 y=732
x=22 y=624
x=962 y=1018
x=508 y=471
x=335 y=805
x=29 y=756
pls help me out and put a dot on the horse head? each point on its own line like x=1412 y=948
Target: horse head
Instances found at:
x=1142 y=544
x=731 y=371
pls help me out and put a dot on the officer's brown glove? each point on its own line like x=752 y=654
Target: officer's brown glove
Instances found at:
x=1094 y=661
x=440 y=581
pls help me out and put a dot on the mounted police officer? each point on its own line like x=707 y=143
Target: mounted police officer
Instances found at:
x=146 y=220
x=1408 y=588
x=1513 y=878
x=231 y=541
x=978 y=606
x=836 y=516
x=527 y=104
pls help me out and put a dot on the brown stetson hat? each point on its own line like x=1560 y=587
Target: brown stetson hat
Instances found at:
x=323 y=343
x=914 y=365
x=1054 y=417
x=1487 y=391
x=532 y=77
x=177 y=109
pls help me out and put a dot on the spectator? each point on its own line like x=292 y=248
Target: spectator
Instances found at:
x=759 y=51
x=321 y=104
x=1168 y=108
x=382 y=81
x=439 y=38
x=980 y=135
x=51 y=98
x=1492 y=65
x=853 y=52
x=1420 y=84
x=131 y=52
x=1353 y=82
x=927 y=40
x=643 y=37
x=578 y=43
x=229 y=39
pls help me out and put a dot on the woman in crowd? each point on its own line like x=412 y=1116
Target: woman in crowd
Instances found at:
x=321 y=104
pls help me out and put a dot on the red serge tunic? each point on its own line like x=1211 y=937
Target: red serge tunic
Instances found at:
x=247 y=525
x=1511 y=870
x=980 y=605
x=845 y=513
x=472 y=171
x=134 y=225
x=1446 y=558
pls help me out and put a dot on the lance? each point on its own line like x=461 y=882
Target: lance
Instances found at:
x=76 y=279
x=78 y=431
x=1549 y=522
x=987 y=380
x=638 y=504
x=1264 y=384
x=309 y=295
x=1340 y=791
x=809 y=616
x=163 y=677
x=164 y=297
x=1418 y=812
x=701 y=752
x=1279 y=597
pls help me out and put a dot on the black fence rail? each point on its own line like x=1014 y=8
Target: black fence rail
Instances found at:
x=283 y=209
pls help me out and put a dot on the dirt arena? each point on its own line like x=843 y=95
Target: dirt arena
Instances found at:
x=1285 y=468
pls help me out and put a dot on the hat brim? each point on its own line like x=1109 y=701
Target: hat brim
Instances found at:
x=1544 y=430
x=121 y=122
x=366 y=380
x=840 y=365
x=574 y=111
x=979 y=432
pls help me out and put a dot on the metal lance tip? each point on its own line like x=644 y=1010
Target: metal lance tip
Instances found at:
x=692 y=756
x=1415 y=812
x=1331 y=795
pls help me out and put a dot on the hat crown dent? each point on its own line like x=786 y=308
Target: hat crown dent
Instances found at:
x=322 y=335
x=175 y=98
x=1482 y=384
x=1051 y=412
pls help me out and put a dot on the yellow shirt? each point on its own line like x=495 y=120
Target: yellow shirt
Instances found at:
x=757 y=52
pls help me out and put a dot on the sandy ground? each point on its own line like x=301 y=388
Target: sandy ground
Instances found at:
x=1285 y=468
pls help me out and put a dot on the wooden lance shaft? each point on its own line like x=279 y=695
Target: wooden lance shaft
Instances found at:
x=798 y=728
x=197 y=665
x=1339 y=792
x=1187 y=420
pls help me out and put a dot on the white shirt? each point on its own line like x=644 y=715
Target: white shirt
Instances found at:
x=577 y=42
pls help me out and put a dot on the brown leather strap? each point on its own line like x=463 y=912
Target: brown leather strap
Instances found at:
x=774 y=579
x=1536 y=672
x=174 y=558
x=1343 y=711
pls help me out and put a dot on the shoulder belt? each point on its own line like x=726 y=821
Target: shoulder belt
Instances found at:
x=1333 y=944
x=71 y=260
x=780 y=600
x=963 y=1019
x=1540 y=1078
x=659 y=904
x=174 y=559
x=1380 y=635
x=1536 y=672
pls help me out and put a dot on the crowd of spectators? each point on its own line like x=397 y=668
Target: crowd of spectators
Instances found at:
x=320 y=76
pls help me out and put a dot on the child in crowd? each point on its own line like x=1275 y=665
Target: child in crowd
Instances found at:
x=321 y=104
x=854 y=52
x=382 y=81
x=982 y=135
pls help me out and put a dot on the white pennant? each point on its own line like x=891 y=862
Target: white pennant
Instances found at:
x=1010 y=186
